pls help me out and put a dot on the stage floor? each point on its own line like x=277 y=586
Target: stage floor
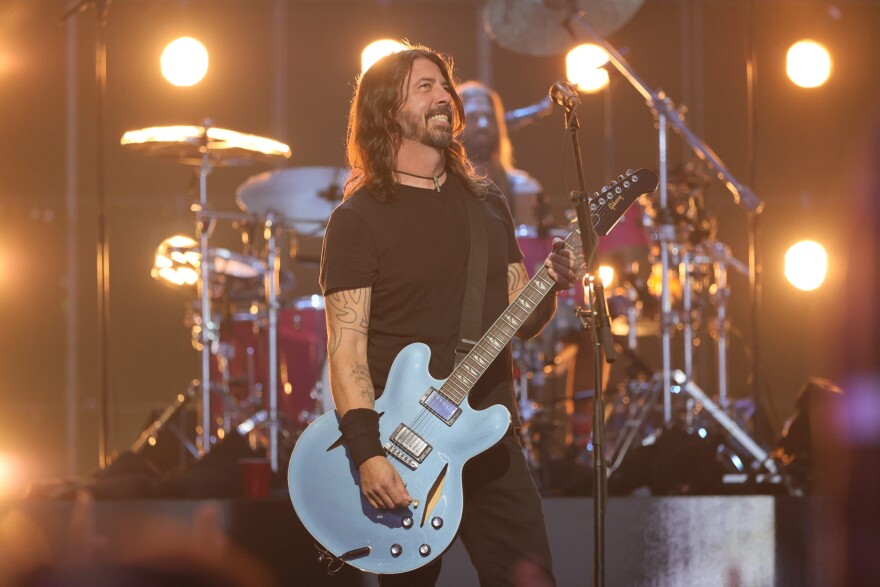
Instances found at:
x=749 y=541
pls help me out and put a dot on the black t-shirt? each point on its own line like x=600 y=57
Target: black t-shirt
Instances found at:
x=413 y=253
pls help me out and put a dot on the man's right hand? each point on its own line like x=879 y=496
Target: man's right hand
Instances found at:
x=381 y=484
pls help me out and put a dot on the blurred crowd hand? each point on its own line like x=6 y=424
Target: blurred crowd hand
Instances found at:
x=143 y=550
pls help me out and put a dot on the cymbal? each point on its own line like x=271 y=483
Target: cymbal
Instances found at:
x=303 y=196
x=190 y=144
x=537 y=27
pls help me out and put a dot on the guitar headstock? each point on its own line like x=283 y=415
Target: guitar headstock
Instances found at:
x=608 y=204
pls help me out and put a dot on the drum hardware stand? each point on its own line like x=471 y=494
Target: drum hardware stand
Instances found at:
x=762 y=458
x=272 y=285
x=205 y=224
x=151 y=432
x=596 y=317
x=666 y=115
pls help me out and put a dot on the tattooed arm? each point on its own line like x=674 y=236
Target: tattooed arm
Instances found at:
x=348 y=318
x=348 y=321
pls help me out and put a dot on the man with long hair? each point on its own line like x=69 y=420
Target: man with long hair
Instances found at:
x=393 y=272
x=491 y=153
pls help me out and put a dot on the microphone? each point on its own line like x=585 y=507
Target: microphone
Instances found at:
x=521 y=117
x=565 y=94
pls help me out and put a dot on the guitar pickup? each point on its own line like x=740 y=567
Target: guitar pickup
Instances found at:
x=407 y=446
x=441 y=406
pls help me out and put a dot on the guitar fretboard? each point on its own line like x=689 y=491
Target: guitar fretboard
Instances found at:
x=487 y=349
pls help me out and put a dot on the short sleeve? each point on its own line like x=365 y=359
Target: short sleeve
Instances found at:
x=349 y=259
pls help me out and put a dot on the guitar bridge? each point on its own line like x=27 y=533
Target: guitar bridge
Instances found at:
x=407 y=447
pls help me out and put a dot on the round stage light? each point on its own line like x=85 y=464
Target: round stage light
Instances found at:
x=377 y=50
x=184 y=62
x=808 y=64
x=806 y=265
x=583 y=66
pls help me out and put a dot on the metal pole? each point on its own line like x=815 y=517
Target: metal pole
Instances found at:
x=686 y=277
x=205 y=268
x=272 y=283
x=103 y=245
x=665 y=299
x=722 y=292
x=71 y=281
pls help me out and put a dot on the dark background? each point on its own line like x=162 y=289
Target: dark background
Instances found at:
x=807 y=146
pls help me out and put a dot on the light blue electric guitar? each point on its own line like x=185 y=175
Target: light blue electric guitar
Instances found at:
x=429 y=432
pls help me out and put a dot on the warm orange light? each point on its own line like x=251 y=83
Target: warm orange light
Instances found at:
x=808 y=64
x=184 y=62
x=806 y=265
x=377 y=50
x=583 y=66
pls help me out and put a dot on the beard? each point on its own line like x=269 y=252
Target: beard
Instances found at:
x=417 y=128
x=481 y=145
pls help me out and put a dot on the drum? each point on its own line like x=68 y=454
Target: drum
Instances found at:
x=242 y=361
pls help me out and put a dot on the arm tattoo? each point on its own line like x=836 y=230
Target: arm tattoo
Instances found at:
x=348 y=309
x=516 y=278
x=362 y=379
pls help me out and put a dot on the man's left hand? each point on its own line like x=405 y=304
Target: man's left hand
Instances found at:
x=560 y=265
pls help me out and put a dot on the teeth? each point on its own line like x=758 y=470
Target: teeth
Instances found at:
x=442 y=117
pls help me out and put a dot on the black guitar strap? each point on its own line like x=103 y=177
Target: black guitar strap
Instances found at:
x=471 y=327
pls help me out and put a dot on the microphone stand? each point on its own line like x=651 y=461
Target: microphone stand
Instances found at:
x=103 y=253
x=597 y=319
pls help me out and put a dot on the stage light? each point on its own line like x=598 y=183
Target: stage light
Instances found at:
x=377 y=50
x=606 y=274
x=184 y=62
x=176 y=261
x=808 y=64
x=10 y=481
x=806 y=265
x=583 y=66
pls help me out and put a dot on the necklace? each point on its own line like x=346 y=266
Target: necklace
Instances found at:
x=436 y=178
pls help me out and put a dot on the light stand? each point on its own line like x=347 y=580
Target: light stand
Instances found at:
x=103 y=246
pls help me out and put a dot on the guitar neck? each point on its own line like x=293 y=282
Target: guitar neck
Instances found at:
x=487 y=349
x=606 y=208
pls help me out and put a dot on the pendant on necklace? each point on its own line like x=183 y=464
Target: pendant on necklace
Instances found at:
x=436 y=183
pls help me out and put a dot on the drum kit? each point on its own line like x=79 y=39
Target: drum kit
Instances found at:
x=554 y=374
x=262 y=350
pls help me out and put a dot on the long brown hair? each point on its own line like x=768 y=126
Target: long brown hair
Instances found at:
x=374 y=135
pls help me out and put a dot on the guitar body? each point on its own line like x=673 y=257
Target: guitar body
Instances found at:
x=325 y=485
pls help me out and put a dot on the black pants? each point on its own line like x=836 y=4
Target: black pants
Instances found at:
x=502 y=525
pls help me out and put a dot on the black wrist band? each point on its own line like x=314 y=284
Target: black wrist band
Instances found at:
x=360 y=430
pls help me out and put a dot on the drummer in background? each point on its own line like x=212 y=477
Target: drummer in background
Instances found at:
x=489 y=150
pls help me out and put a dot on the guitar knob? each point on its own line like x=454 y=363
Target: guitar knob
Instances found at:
x=620 y=178
x=629 y=172
x=604 y=188
x=408 y=522
x=396 y=550
x=626 y=184
x=618 y=189
x=437 y=523
x=424 y=550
